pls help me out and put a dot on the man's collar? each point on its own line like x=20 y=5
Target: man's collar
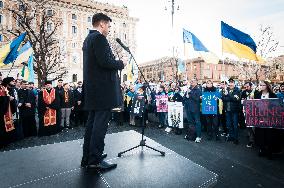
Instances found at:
x=94 y=30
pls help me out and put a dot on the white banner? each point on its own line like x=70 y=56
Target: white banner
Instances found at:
x=175 y=114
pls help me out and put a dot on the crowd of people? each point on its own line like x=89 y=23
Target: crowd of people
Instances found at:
x=29 y=111
x=230 y=115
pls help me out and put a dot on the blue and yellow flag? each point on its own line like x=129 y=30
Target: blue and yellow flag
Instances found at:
x=24 y=54
x=9 y=52
x=208 y=57
x=28 y=70
x=237 y=42
x=130 y=71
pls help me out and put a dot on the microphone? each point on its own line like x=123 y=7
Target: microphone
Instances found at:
x=122 y=45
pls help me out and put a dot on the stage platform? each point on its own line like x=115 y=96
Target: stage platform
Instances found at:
x=58 y=165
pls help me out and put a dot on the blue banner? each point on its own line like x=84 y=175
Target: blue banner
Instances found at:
x=209 y=102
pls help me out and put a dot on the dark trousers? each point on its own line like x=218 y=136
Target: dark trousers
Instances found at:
x=96 y=129
x=193 y=118
x=212 y=125
x=29 y=125
x=80 y=117
x=232 y=119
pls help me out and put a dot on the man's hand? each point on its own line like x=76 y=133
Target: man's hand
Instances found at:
x=28 y=105
x=11 y=98
x=72 y=108
x=20 y=104
x=79 y=103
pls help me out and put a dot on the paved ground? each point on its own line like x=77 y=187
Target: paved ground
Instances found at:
x=236 y=165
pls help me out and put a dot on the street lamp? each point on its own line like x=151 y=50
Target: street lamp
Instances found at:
x=173 y=9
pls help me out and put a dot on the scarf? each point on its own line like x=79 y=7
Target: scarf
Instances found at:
x=50 y=114
x=8 y=120
x=66 y=97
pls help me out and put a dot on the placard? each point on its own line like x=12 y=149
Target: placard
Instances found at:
x=209 y=102
x=138 y=104
x=264 y=113
x=175 y=114
x=162 y=103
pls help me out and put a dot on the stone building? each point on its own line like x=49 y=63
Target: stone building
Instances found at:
x=166 y=68
x=76 y=16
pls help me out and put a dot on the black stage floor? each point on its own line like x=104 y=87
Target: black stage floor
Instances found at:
x=58 y=165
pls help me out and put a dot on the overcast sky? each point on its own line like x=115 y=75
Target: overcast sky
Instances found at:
x=202 y=17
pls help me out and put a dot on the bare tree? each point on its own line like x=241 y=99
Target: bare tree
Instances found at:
x=266 y=45
x=41 y=23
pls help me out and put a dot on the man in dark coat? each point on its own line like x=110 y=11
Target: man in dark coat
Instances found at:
x=192 y=99
x=232 y=104
x=78 y=108
x=101 y=91
x=27 y=105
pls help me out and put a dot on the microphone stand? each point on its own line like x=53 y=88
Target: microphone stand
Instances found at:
x=143 y=141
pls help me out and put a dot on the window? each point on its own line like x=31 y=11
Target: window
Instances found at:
x=49 y=27
x=74 y=59
x=1 y=4
x=1 y=19
x=49 y=12
x=74 y=17
x=124 y=36
x=124 y=24
x=1 y=38
x=73 y=44
x=21 y=7
x=89 y=19
x=74 y=77
x=74 y=29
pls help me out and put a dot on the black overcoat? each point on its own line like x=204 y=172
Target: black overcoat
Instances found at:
x=101 y=88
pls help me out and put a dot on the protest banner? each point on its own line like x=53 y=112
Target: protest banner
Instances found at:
x=138 y=104
x=264 y=113
x=175 y=114
x=162 y=103
x=209 y=102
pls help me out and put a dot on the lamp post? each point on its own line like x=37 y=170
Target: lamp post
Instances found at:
x=173 y=8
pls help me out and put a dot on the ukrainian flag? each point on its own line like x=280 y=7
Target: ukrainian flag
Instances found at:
x=130 y=71
x=237 y=42
x=9 y=52
x=28 y=70
x=24 y=54
x=208 y=57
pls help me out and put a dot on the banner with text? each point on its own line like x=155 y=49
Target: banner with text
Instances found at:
x=175 y=114
x=264 y=113
x=209 y=102
x=162 y=103
x=138 y=105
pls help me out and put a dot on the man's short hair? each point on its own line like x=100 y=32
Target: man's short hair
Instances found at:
x=249 y=83
x=65 y=84
x=24 y=82
x=31 y=83
x=100 y=17
x=60 y=80
x=80 y=82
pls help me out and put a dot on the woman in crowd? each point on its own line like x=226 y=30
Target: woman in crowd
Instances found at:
x=266 y=138
x=212 y=120
x=162 y=115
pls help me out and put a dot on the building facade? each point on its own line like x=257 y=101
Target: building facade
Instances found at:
x=166 y=69
x=76 y=16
